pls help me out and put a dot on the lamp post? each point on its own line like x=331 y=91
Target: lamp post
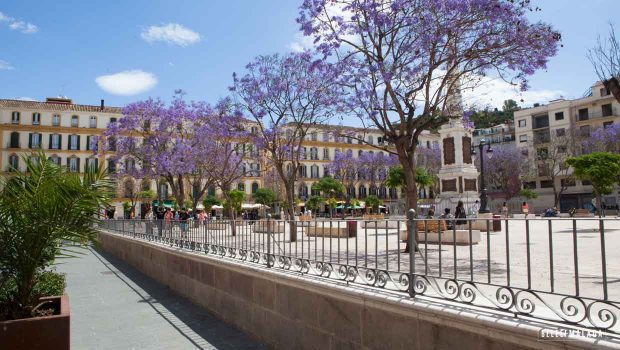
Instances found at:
x=484 y=207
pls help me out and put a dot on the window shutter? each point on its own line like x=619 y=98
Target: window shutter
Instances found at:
x=30 y=140
x=78 y=142
x=78 y=165
x=50 y=146
x=96 y=164
x=59 y=141
x=87 y=143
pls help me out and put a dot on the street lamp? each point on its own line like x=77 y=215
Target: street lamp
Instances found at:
x=484 y=207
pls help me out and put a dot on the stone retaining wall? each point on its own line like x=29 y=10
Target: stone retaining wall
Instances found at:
x=288 y=311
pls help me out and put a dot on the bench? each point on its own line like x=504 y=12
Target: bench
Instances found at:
x=431 y=225
x=274 y=226
x=583 y=213
x=335 y=229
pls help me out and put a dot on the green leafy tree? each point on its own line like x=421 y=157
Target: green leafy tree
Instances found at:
x=45 y=213
x=236 y=199
x=373 y=202
x=601 y=169
x=396 y=178
x=330 y=188
x=313 y=203
x=209 y=202
x=264 y=196
x=528 y=193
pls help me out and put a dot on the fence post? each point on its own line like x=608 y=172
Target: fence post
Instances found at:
x=411 y=228
x=268 y=240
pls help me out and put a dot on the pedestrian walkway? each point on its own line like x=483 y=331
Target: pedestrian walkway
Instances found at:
x=114 y=306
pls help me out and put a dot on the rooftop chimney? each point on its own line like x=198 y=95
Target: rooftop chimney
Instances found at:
x=102 y=104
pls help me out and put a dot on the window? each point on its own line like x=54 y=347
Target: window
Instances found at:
x=34 y=141
x=303 y=191
x=241 y=187
x=567 y=182
x=14 y=143
x=560 y=132
x=112 y=144
x=254 y=130
x=325 y=153
x=522 y=123
x=370 y=140
x=130 y=165
x=92 y=122
x=522 y=138
x=314 y=153
x=360 y=138
x=112 y=120
x=607 y=125
x=561 y=149
x=546 y=184
x=74 y=121
x=73 y=164
x=254 y=187
x=314 y=171
x=91 y=163
x=530 y=185
x=74 y=142
x=325 y=170
x=56 y=120
x=586 y=183
x=89 y=140
x=362 y=191
x=162 y=190
x=585 y=131
x=54 y=159
x=15 y=118
x=303 y=171
x=606 y=110
x=559 y=116
x=128 y=188
x=313 y=136
x=55 y=141
x=582 y=114
x=604 y=92
x=13 y=162
x=325 y=137
x=359 y=153
x=349 y=139
x=211 y=191
x=36 y=118
x=112 y=166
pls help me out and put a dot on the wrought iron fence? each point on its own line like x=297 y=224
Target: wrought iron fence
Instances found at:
x=558 y=269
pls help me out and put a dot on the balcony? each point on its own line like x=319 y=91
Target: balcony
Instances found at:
x=13 y=145
x=596 y=114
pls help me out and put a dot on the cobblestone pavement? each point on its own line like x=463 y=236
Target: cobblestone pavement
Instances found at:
x=113 y=306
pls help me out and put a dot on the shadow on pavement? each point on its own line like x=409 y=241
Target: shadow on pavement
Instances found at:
x=193 y=322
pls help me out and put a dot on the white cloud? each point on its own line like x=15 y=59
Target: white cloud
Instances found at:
x=15 y=24
x=493 y=91
x=301 y=43
x=4 y=65
x=127 y=83
x=171 y=33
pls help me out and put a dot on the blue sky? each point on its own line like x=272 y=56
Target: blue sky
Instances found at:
x=48 y=48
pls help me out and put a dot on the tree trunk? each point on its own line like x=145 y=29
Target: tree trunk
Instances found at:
x=556 y=196
x=290 y=198
x=613 y=85
x=599 y=206
x=411 y=188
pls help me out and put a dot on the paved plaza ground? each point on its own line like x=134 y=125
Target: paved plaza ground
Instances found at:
x=113 y=306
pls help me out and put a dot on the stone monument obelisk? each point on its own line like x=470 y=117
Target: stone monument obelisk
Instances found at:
x=458 y=176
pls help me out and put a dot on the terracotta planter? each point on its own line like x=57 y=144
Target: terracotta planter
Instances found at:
x=49 y=332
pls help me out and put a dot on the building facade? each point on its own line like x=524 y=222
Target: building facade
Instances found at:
x=556 y=129
x=64 y=130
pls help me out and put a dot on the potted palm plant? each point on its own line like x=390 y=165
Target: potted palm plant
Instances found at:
x=45 y=212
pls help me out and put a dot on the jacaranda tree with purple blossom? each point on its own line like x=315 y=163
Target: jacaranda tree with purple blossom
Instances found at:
x=345 y=168
x=404 y=58
x=504 y=170
x=181 y=143
x=286 y=95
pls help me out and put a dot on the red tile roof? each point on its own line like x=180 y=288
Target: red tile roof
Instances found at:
x=5 y=103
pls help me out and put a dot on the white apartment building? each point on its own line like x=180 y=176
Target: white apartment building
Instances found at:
x=535 y=129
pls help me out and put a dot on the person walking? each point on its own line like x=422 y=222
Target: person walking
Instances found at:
x=148 y=221
x=475 y=208
x=168 y=217
x=525 y=209
x=459 y=213
x=449 y=218
x=183 y=217
x=159 y=216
